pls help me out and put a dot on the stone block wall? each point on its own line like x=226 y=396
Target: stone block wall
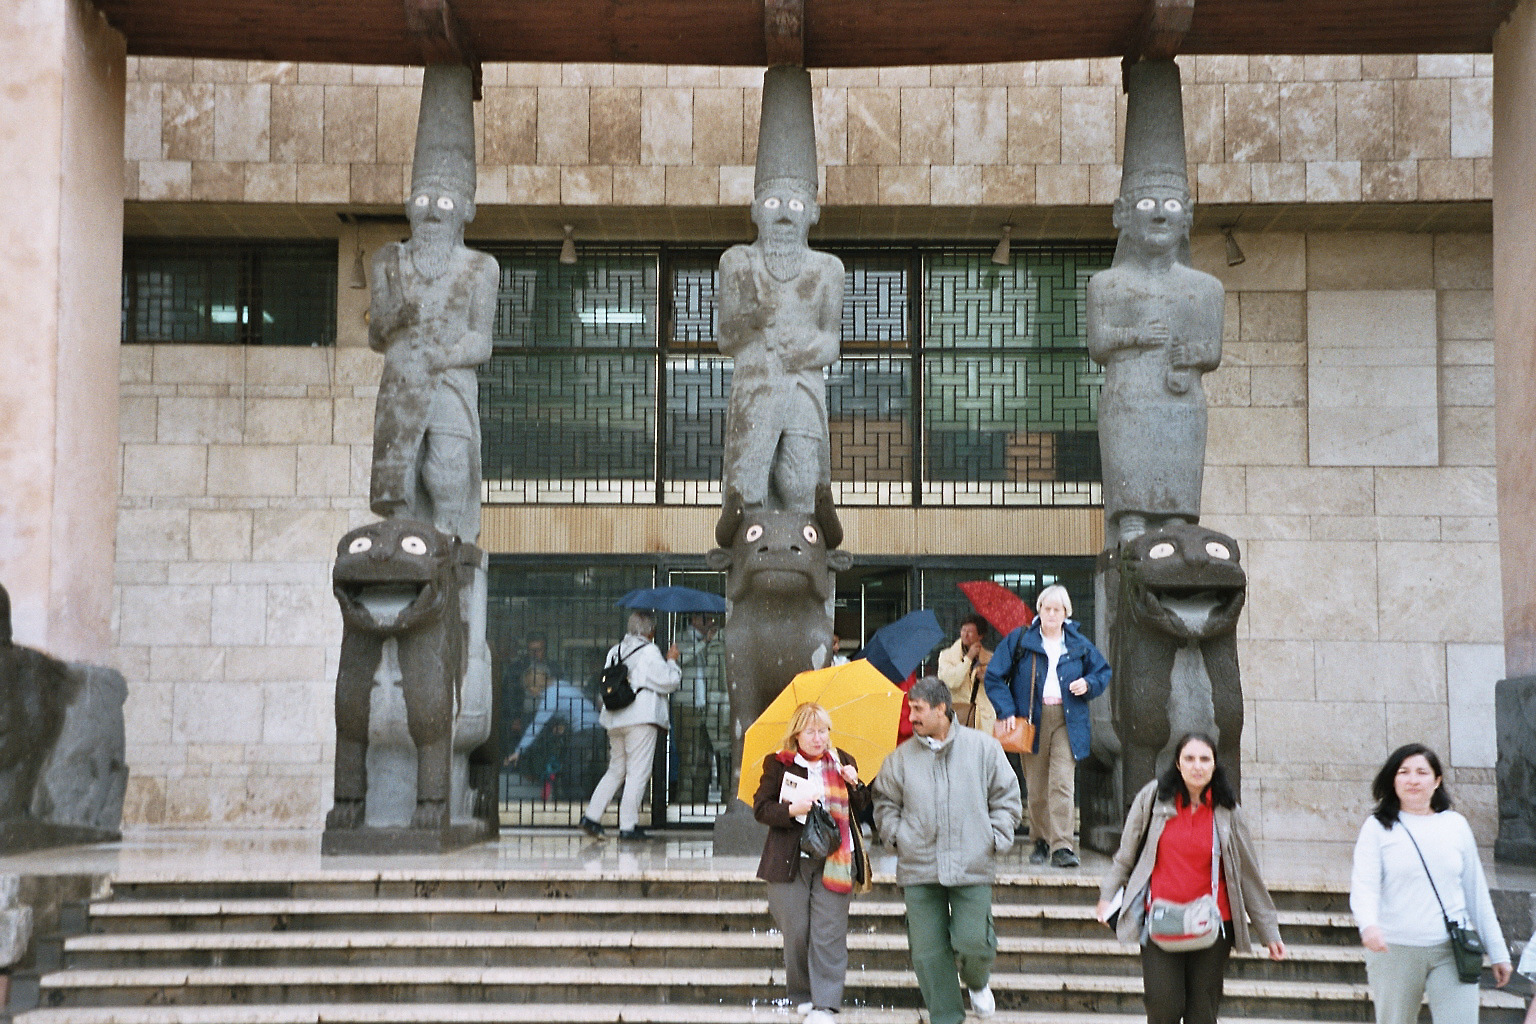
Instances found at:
x=241 y=468
x=1333 y=129
x=1373 y=615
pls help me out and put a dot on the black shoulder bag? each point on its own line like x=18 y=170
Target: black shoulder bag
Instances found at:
x=1466 y=944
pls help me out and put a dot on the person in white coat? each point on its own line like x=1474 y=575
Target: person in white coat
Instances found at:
x=632 y=731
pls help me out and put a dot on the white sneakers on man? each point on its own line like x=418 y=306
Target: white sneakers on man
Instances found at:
x=820 y=1017
x=982 y=1002
x=805 y=1008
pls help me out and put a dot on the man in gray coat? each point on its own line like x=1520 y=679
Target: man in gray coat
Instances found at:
x=948 y=803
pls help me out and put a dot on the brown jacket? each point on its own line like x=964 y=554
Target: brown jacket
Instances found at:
x=781 y=851
x=1246 y=892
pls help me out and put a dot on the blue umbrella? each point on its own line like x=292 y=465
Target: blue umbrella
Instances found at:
x=673 y=599
x=899 y=648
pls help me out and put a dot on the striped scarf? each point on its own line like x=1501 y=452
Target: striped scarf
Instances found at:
x=837 y=871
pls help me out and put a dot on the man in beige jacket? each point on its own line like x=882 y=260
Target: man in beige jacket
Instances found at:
x=962 y=667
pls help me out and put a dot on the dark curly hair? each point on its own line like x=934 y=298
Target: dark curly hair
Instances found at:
x=1384 y=787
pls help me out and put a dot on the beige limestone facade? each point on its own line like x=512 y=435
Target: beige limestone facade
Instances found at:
x=1352 y=443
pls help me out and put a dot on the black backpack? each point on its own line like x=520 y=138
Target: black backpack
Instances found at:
x=613 y=685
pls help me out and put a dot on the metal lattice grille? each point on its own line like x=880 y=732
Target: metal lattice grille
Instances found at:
x=257 y=293
x=1010 y=396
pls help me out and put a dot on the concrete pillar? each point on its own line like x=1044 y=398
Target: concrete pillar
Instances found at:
x=1514 y=360
x=62 y=73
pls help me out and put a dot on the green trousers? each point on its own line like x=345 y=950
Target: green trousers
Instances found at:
x=946 y=925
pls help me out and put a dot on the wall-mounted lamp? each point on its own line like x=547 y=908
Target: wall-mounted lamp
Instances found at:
x=1002 y=254
x=1234 y=251
x=568 y=247
x=359 y=265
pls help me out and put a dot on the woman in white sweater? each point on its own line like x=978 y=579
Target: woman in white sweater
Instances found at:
x=1397 y=898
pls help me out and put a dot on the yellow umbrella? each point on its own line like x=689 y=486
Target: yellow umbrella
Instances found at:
x=865 y=709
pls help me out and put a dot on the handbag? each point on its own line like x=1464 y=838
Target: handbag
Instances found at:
x=819 y=836
x=1466 y=945
x=1021 y=738
x=1182 y=927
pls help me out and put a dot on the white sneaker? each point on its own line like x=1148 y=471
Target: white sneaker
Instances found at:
x=982 y=1002
x=820 y=1017
x=805 y=1008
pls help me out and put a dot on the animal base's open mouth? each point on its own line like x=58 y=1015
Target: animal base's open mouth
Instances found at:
x=385 y=601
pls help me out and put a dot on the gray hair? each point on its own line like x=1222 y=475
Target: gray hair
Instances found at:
x=642 y=623
x=1055 y=592
x=933 y=692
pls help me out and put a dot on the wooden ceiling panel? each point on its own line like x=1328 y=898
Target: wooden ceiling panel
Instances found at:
x=838 y=33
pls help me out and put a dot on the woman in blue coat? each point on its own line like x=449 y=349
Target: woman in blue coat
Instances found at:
x=1049 y=672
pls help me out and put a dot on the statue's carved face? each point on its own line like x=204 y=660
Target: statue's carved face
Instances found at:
x=435 y=212
x=784 y=214
x=1159 y=220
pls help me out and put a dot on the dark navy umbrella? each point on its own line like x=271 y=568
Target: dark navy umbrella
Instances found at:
x=899 y=648
x=673 y=599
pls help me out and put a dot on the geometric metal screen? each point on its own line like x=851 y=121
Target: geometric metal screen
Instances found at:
x=607 y=386
x=222 y=293
x=1010 y=411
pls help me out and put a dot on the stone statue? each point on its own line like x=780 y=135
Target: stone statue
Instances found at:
x=1515 y=724
x=781 y=307
x=63 y=768
x=432 y=311
x=780 y=571
x=780 y=316
x=1182 y=588
x=1154 y=323
x=398 y=584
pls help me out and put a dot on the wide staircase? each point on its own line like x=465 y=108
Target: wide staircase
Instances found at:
x=661 y=946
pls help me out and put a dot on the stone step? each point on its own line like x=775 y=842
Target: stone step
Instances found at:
x=553 y=1013
x=1299 y=998
x=1069 y=886
x=1024 y=954
x=708 y=915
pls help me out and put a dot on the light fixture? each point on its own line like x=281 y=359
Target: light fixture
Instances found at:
x=1001 y=254
x=359 y=266
x=1234 y=251
x=568 y=247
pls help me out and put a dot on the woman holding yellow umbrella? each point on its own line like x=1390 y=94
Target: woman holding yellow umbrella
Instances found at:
x=807 y=895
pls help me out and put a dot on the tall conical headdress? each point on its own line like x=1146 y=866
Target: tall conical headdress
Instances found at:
x=786 y=137
x=445 y=132
x=1154 y=130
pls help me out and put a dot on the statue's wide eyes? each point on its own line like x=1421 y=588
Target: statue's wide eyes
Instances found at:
x=1146 y=205
x=444 y=203
x=771 y=203
x=1172 y=205
x=359 y=545
x=1216 y=549
x=796 y=205
x=413 y=545
x=754 y=532
x=810 y=534
x=422 y=201
x=1162 y=550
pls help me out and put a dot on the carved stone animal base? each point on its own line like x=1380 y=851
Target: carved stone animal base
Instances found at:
x=1515 y=722
x=737 y=833
x=372 y=841
x=26 y=834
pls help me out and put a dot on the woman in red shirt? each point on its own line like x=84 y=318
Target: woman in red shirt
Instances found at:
x=1175 y=824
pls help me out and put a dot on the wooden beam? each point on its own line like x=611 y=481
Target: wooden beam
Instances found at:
x=1160 y=31
x=441 y=36
x=784 y=31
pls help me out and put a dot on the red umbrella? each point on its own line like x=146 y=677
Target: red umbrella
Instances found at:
x=998 y=605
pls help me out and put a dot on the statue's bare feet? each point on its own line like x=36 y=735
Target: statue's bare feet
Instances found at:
x=431 y=814
x=345 y=814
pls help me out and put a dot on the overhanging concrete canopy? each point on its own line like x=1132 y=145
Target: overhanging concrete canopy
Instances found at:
x=837 y=33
